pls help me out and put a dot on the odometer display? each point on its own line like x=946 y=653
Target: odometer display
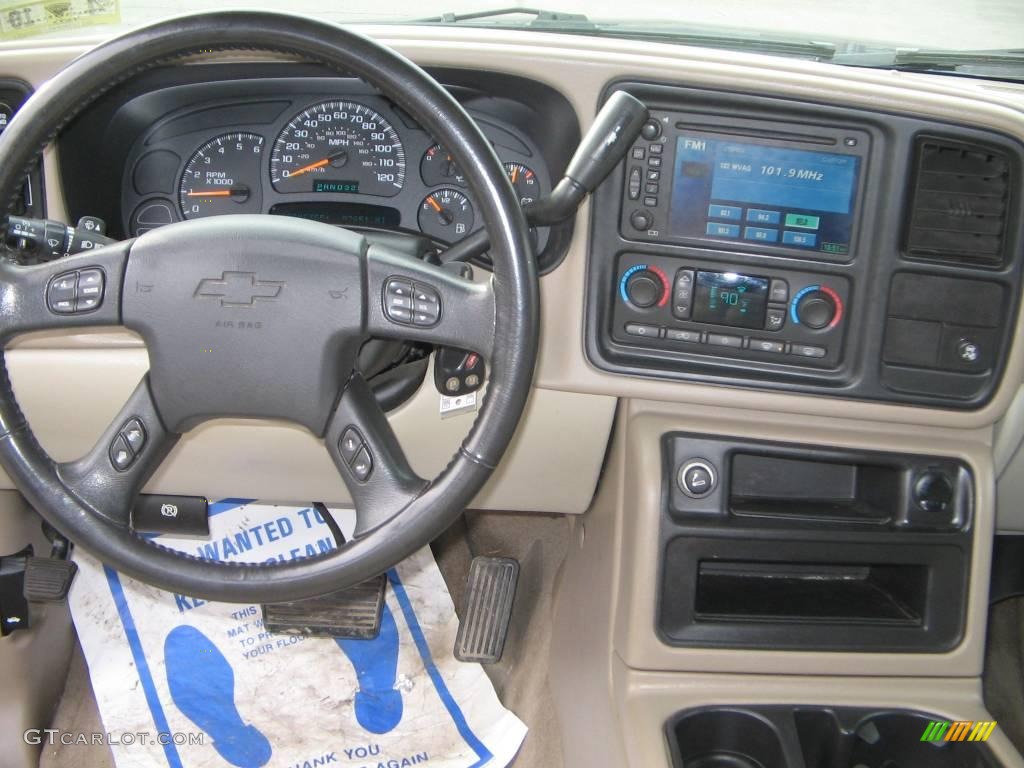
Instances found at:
x=338 y=146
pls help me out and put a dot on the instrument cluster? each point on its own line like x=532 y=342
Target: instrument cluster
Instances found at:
x=352 y=160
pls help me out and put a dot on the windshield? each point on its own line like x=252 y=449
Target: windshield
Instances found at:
x=820 y=29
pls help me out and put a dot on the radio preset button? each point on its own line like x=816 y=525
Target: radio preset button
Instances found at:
x=723 y=230
x=758 y=216
x=799 y=238
x=731 y=212
x=761 y=235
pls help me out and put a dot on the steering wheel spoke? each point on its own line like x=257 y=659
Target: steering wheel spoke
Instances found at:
x=111 y=475
x=80 y=291
x=416 y=301
x=369 y=457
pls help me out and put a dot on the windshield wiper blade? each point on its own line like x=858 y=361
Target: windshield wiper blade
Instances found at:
x=1006 y=61
x=577 y=23
x=733 y=42
x=542 y=19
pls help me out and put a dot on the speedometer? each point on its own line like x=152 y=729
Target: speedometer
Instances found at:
x=338 y=147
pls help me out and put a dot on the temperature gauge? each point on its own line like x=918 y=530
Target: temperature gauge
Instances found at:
x=439 y=167
x=524 y=181
x=446 y=215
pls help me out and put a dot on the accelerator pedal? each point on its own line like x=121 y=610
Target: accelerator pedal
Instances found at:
x=348 y=613
x=490 y=592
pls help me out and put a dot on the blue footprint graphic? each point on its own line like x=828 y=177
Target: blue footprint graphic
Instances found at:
x=202 y=685
x=378 y=705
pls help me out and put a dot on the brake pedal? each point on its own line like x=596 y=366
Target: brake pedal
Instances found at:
x=48 y=579
x=348 y=613
x=490 y=592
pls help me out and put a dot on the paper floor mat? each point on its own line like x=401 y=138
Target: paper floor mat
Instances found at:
x=185 y=682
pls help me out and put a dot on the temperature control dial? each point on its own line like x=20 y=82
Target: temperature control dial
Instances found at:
x=816 y=307
x=644 y=286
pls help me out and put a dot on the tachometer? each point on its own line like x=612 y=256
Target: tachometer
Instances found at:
x=339 y=147
x=223 y=176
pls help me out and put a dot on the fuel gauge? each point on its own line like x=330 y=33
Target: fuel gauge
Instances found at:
x=446 y=215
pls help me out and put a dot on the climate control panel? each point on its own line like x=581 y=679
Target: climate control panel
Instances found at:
x=710 y=308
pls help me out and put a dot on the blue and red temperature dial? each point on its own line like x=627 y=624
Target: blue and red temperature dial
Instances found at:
x=644 y=285
x=817 y=307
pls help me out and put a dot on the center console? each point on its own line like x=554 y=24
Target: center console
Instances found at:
x=747 y=241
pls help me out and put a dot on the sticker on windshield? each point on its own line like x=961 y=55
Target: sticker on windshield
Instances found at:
x=21 y=19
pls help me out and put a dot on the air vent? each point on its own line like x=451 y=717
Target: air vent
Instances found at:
x=960 y=204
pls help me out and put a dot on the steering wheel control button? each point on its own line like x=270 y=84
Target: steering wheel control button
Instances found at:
x=697 y=478
x=410 y=303
x=62 y=292
x=74 y=292
x=134 y=434
x=349 y=444
x=121 y=456
x=362 y=465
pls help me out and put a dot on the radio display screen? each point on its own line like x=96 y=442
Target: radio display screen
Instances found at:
x=727 y=298
x=761 y=194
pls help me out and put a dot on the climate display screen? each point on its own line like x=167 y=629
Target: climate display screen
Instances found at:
x=727 y=298
x=765 y=195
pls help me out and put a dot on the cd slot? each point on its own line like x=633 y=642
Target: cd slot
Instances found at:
x=760 y=133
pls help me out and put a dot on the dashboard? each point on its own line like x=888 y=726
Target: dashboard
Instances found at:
x=779 y=245
x=317 y=147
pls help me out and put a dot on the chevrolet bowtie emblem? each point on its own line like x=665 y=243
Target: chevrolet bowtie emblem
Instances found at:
x=238 y=289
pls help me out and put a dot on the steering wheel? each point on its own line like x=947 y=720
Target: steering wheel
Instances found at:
x=262 y=317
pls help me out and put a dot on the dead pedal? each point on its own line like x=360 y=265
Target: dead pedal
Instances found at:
x=350 y=613
x=490 y=592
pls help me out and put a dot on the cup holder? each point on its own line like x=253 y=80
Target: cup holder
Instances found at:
x=893 y=740
x=814 y=737
x=725 y=738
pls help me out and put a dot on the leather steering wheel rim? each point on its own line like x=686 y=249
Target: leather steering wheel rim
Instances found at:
x=435 y=505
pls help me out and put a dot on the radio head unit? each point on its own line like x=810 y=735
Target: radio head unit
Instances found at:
x=792 y=193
